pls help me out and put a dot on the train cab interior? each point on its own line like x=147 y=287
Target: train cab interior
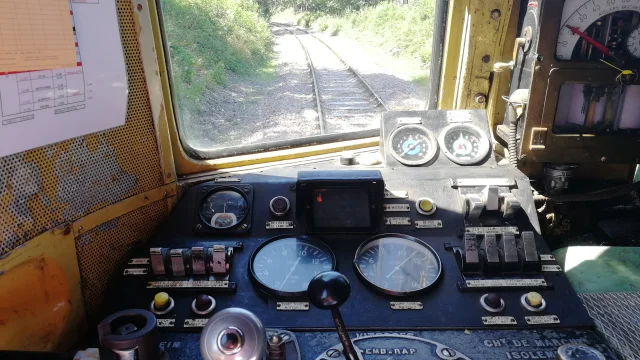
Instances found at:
x=319 y=180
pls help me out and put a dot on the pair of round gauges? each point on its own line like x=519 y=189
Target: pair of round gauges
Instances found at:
x=393 y=264
x=415 y=145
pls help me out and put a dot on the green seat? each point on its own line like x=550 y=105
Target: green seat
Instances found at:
x=601 y=269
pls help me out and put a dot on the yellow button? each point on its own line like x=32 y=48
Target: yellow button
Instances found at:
x=161 y=300
x=534 y=299
x=426 y=205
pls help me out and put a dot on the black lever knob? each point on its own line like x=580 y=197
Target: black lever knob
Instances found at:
x=328 y=291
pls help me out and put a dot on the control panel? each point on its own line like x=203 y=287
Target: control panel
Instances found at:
x=440 y=259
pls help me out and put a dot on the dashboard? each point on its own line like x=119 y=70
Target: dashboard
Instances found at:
x=434 y=254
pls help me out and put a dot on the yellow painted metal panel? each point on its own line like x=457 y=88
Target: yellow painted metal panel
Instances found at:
x=41 y=305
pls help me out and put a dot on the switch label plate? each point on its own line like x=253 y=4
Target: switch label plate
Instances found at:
x=292 y=306
x=279 y=225
x=138 y=261
x=193 y=323
x=137 y=271
x=166 y=322
x=397 y=221
x=499 y=320
x=396 y=207
x=545 y=319
x=186 y=284
x=428 y=224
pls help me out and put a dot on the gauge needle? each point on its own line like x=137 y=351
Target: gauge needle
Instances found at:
x=400 y=266
x=290 y=272
x=591 y=41
x=411 y=147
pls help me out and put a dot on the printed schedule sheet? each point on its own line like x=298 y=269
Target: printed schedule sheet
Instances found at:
x=62 y=71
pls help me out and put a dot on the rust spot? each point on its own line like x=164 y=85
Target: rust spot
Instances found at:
x=139 y=7
x=146 y=198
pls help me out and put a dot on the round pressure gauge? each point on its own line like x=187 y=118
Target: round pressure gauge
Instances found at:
x=413 y=145
x=464 y=144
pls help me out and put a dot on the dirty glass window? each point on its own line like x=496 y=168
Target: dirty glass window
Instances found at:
x=254 y=75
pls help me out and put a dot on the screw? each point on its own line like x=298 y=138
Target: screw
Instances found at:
x=244 y=227
x=539 y=58
x=495 y=14
x=481 y=98
x=199 y=227
x=292 y=186
x=604 y=159
x=80 y=229
x=486 y=59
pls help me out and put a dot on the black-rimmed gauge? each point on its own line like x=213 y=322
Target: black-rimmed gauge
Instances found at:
x=397 y=264
x=224 y=208
x=464 y=144
x=284 y=266
x=633 y=43
x=413 y=145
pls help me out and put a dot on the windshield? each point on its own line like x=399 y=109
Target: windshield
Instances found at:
x=255 y=75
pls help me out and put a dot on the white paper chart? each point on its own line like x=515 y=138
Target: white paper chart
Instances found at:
x=47 y=106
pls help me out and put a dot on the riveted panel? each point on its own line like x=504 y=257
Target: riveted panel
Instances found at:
x=103 y=250
x=59 y=183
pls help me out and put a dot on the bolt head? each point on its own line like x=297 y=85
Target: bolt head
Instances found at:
x=495 y=14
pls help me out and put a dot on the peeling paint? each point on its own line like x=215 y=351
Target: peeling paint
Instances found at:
x=83 y=185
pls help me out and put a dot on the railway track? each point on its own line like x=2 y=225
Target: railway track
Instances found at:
x=345 y=102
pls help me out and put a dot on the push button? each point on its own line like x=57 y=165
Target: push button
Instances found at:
x=203 y=304
x=533 y=301
x=492 y=302
x=425 y=206
x=162 y=303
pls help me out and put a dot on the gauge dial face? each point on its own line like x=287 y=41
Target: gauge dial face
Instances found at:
x=633 y=43
x=582 y=14
x=224 y=209
x=285 y=266
x=397 y=264
x=413 y=145
x=464 y=144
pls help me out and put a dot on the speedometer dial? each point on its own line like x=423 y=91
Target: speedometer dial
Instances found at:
x=284 y=266
x=606 y=22
x=397 y=264
x=413 y=145
x=464 y=144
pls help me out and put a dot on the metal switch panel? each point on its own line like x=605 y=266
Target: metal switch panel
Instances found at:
x=531 y=256
x=510 y=251
x=177 y=262
x=197 y=261
x=475 y=205
x=490 y=247
x=471 y=256
x=157 y=260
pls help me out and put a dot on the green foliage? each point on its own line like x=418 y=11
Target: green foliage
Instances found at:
x=336 y=26
x=208 y=38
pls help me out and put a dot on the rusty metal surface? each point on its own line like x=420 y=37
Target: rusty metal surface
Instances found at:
x=103 y=250
x=56 y=184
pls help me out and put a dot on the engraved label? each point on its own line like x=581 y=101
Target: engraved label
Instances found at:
x=458 y=116
x=506 y=283
x=492 y=230
x=292 y=306
x=187 y=284
x=546 y=319
x=483 y=182
x=279 y=225
x=396 y=207
x=388 y=194
x=402 y=305
x=166 y=322
x=409 y=120
x=428 y=224
x=138 y=261
x=192 y=323
x=499 y=320
x=397 y=221
x=547 y=257
x=551 y=268
x=135 y=271
x=227 y=179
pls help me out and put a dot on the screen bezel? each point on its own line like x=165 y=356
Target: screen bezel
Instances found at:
x=375 y=191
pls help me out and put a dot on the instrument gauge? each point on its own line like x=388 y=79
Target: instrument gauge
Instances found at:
x=413 y=145
x=284 y=266
x=633 y=43
x=224 y=208
x=464 y=144
x=397 y=265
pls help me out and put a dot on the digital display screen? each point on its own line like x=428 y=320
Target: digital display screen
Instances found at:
x=341 y=208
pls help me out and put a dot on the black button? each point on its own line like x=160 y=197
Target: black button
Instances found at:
x=203 y=302
x=493 y=300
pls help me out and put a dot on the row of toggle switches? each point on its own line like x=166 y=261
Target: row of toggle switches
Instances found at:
x=197 y=260
x=500 y=253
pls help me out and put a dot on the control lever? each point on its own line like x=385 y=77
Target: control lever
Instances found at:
x=328 y=291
